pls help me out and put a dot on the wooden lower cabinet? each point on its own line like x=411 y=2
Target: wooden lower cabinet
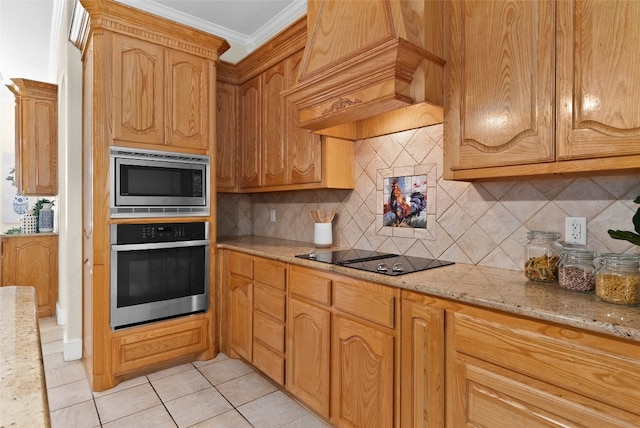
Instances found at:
x=423 y=362
x=534 y=374
x=362 y=354
x=362 y=375
x=152 y=345
x=255 y=299
x=241 y=316
x=32 y=260
x=308 y=358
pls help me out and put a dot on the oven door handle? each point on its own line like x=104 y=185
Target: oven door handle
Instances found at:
x=159 y=245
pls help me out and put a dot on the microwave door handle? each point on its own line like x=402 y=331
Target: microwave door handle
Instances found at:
x=160 y=245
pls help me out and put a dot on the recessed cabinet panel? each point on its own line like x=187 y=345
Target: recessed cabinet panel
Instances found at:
x=500 y=107
x=186 y=104
x=274 y=147
x=598 y=76
x=250 y=129
x=138 y=90
x=226 y=135
x=305 y=148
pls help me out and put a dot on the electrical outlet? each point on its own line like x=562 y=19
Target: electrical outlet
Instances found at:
x=272 y=216
x=575 y=230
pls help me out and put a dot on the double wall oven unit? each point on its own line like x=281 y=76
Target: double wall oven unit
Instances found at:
x=158 y=271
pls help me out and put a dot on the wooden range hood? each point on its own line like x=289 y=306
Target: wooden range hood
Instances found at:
x=370 y=67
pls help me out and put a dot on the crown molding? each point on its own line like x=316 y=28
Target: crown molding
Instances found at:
x=250 y=42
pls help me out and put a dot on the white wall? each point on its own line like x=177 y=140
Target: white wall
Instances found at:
x=69 y=308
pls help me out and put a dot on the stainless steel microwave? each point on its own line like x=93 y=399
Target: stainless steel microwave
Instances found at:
x=150 y=183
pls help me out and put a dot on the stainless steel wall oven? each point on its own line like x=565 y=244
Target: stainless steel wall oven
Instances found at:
x=158 y=271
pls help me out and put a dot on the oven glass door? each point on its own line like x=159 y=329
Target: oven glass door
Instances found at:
x=159 y=280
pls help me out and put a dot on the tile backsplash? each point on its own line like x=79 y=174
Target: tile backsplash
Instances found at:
x=479 y=223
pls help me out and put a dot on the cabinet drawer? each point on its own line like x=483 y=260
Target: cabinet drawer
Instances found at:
x=270 y=273
x=240 y=264
x=365 y=300
x=309 y=285
x=268 y=331
x=268 y=362
x=552 y=354
x=500 y=395
x=269 y=301
x=136 y=350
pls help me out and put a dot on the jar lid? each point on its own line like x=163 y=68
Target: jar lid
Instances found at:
x=540 y=234
x=578 y=252
x=622 y=259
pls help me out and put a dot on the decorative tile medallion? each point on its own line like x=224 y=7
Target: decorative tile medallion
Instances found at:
x=406 y=201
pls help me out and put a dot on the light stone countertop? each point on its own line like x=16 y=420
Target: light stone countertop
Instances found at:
x=23 y=392
x=500 y=289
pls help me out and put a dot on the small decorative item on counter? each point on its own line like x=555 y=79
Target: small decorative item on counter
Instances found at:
x=541 y=256
x=29 y=222
x=322 y=228
x=44 y=213
x=618 y=279
x=576 y=269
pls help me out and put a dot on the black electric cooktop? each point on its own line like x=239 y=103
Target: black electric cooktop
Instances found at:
x=374 y=261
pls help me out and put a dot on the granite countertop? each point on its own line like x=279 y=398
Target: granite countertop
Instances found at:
x=493 y=288
x=23 y=392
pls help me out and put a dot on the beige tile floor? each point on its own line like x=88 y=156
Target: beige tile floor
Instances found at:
x=221 y=392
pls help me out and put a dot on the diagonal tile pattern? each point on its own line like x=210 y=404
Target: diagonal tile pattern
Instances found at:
x=481 y=223
x=219 y=393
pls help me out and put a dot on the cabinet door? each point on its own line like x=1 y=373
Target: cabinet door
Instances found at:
x=186 y=120
x=489 y=395
x=422 y=369
x=240 y=316
x=138 y=91
x=36 y=137
x=250 y=131
x=362 y=375
x=33 y=261
x=227 y=135
x=500 y=74
x=308 y=355
x=304 y=147
x=598 y=50
x=274 y=149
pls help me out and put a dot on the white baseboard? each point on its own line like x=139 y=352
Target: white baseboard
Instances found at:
x=72 y=350
x=61 y=315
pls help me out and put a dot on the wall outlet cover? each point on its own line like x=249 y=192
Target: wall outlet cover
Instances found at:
x=575 y=230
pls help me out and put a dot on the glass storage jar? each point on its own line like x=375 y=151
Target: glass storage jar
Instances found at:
x=576 y=269
x=542 y=252
x=618 y=278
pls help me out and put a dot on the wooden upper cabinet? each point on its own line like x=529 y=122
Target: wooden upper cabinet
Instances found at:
x=274 y=146
x=36 y=133
x=598 y=51
x=499 y=110
x=138 y=89
x=160 y=95
x=250 y=129
x=541 y=88
x=187 y=80
x=304 y=147
x=226 y=135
